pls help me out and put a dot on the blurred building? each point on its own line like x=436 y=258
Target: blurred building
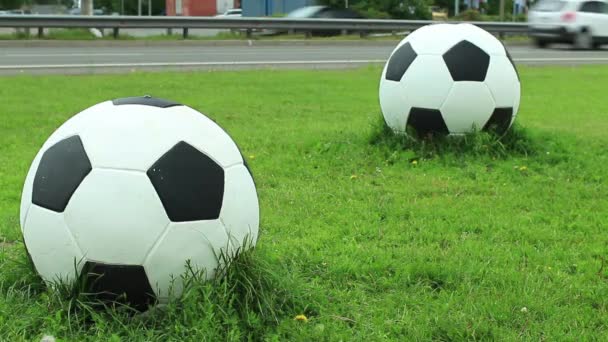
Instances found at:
x=263 y=8
x=47 y=9
x=473 y=4
x=200 y=7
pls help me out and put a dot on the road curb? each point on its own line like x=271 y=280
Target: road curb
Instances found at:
x=186 y=43
x=171 y=43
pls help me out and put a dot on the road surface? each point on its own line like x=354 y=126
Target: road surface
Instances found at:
x=205 y=55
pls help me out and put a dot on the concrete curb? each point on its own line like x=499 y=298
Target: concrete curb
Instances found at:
x=171 y=43
x=186 y=43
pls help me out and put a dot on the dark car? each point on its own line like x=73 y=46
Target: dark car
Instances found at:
x=324 y=12
x=321 y=12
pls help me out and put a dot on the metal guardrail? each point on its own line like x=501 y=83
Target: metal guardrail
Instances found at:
x=363 y=26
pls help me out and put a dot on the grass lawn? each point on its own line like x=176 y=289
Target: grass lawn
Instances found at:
x=368 y=241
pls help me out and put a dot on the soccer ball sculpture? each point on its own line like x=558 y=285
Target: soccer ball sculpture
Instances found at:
x=449 y=79
x=131 y=190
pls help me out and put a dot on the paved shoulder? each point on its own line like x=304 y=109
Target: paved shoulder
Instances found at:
x=42 y=57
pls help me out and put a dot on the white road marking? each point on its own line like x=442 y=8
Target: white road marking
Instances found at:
x=186 y=64
x=157 y=53
x=254 y=63
x=72 y=54
x=562 y=59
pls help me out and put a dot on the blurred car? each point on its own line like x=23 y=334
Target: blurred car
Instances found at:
x=15 y=12
x=78 y=11
x=438 y=13
x=324 y=12
x=582 y=23
x=231 y=13
x=319 y=12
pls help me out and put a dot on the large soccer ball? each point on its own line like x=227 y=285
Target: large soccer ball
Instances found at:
x=131 y=190
x=449 y=79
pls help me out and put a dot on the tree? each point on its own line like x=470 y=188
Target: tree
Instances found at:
x=11 y=4
x=66 y=3
x=16 y=4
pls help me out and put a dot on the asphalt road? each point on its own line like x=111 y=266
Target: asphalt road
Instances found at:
x=118 y=58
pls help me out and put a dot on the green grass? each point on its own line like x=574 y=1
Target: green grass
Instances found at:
x=372 y=237
x=54 y=34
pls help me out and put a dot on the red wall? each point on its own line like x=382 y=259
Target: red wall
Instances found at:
x=200 y=7
x=193 y=7
x=170 y=7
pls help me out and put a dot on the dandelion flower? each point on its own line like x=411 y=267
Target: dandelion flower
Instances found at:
x=524 y=309
x=353 y=177
x=302 y=318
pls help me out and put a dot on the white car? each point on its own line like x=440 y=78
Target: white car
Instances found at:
x=231 y=13
x=583 y=23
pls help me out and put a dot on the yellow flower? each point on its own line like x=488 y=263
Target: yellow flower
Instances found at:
x=414 y=162
x=353 y=177
x=523 y=168
x=302 y=318
x=252 y=156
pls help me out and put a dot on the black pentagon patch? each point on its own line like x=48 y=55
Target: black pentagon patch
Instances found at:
x=124 y=284
x=62 y=168
x=499 y=121
x=189 y=183
x=399 y=62
x=427 y=121
x=467 y=62
x=145 y=101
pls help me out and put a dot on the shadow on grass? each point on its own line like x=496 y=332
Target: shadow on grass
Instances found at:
x=18 y=272
x=244 y=287
x=516 y=142
x=246 y=297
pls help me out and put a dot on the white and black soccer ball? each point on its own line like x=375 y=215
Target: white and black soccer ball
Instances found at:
x=132 y=189
x=449 y=79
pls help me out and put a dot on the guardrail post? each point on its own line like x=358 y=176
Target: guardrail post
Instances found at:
x=170 y=31
x=40 y=32
x=308 y=34
x=115 y=32
x=248 y=33
x=185 y=33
